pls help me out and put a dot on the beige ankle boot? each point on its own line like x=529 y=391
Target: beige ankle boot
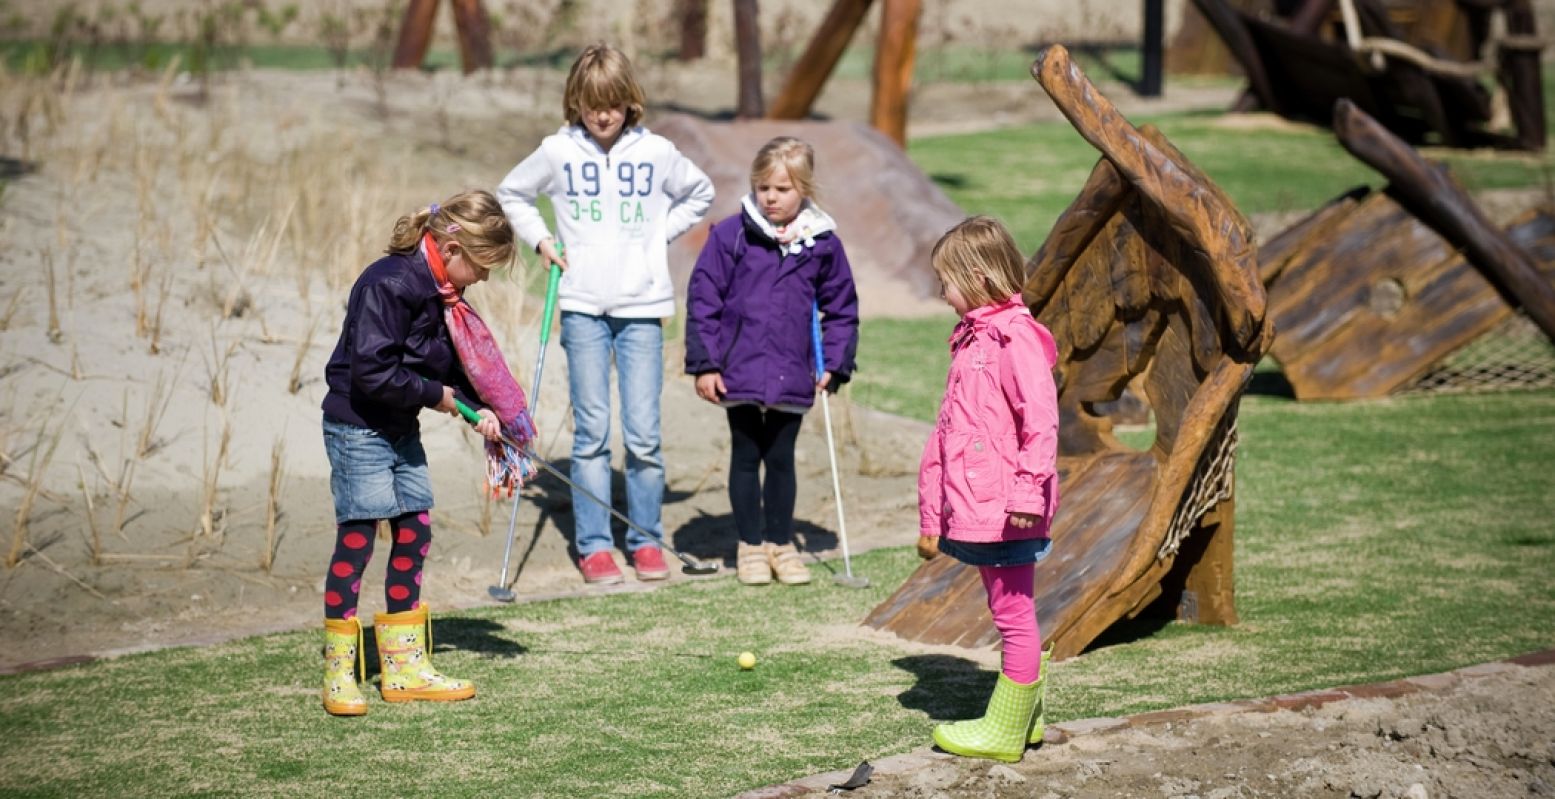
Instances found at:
x=751 y=565
x=787 y=564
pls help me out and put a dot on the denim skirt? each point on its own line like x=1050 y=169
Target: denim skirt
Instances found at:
x=997 y=553
x=373 y=476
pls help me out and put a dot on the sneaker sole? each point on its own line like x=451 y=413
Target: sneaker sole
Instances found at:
x=611 y=580
x=663 y=575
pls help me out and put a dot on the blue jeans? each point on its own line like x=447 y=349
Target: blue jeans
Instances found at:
x=637 y=346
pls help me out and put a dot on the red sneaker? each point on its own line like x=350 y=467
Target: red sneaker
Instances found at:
x=600 y=569
x=649 y=563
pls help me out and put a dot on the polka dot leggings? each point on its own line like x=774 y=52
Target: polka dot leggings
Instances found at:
x=412 y=535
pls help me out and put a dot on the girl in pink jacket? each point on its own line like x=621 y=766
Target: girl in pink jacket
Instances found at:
x=988 y=482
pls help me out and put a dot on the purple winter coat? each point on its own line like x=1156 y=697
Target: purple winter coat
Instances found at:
x=748 y=313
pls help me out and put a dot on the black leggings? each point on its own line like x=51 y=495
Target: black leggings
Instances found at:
x=762 y=436
x=412 y=536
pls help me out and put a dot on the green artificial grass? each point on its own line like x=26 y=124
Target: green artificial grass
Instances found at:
x=1373 y=541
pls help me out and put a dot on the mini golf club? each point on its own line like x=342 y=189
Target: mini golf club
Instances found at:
x=691 y=565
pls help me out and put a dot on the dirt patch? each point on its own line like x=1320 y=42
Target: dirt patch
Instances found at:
x=1487 y=731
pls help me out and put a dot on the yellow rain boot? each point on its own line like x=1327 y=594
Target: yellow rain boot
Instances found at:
x=342 y=663
x=1002 y=732
x=405 y=657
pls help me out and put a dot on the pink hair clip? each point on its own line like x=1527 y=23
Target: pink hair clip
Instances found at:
x=454 y=228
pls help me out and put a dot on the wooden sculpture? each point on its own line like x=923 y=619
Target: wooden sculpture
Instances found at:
x=1149 y=278
x=416 y=34
x=894 y=54
x=1417 y=89
x=1375 y=289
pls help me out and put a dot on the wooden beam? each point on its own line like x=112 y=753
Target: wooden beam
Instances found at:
x=474 y=34
x=894 y=56
x=1223 y=18
x=1524 y=81
x=819 y=59
x=1428 y=193
x=747 y=43
x=415 y=34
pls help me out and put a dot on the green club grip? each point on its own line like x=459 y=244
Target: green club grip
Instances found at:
x=464 y=410
x=551 y=285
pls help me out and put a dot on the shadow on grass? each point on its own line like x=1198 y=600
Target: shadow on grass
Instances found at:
x=714 y=537
x=949 y=688
x=481 y=636
x=1271 y=383
x=1128 y=631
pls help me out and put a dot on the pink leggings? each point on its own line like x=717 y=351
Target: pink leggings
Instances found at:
x=1015 y=615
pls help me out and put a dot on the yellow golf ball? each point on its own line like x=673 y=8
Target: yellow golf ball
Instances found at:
x=747 y=661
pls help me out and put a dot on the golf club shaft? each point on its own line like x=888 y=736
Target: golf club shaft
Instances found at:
x=555 y=472
x=551 y=285
x=831 y=447
x=472 y=417
x=836 y=486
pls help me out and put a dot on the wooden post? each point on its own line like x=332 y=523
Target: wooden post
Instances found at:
x=1523 y=81
x=415 y=34
x=747 y=43
x=819 y=59
x=1428 y=193
x=893 y=67
x=692 y=15
x=1151 y=49
x=474 y=34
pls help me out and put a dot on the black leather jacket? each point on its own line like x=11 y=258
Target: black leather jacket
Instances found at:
x=395 y=353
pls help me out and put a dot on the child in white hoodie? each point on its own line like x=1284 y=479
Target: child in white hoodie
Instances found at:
x=620 y=194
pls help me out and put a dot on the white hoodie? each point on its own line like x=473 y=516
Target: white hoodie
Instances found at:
x=616 y=212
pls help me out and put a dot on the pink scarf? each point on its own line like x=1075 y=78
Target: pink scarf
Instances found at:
x=507 y=467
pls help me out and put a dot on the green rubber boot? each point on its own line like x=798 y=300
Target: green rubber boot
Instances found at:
x=1002 y=732
x=1038 y=725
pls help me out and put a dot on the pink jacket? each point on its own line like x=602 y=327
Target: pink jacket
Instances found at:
x=994 y=449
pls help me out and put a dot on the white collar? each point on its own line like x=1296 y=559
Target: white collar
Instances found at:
x=798 y=234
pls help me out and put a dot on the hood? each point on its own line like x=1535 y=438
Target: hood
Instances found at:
x=580 y=136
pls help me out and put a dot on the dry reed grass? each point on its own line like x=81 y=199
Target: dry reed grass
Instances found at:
x=32 y=484
x=273 y=505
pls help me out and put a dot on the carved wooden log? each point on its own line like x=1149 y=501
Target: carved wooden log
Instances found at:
x=894 y=56
x=415 y=34
x=1432 y=196
x=1223 y=18
x=1099 y=199
x=747 y=43
x=820 y=57
x=474 y=35
x=1196 y=216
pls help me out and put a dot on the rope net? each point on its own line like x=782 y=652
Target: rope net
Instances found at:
x=1513 y=355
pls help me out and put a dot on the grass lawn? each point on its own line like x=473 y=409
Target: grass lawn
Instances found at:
x=1374 y=540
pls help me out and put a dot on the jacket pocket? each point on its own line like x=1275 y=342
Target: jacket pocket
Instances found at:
x=983 y=477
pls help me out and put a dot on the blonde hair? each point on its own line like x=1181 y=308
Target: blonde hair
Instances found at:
x=602 y=77
x=979 y=257
x=474 y=219
x=794 y=155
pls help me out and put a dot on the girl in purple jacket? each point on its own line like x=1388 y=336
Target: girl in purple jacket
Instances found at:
x=757 y=282
x=988 y=482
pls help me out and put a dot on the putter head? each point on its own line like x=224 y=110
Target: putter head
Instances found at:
x=698 y=567
x=501 y=594
x=850 y=580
